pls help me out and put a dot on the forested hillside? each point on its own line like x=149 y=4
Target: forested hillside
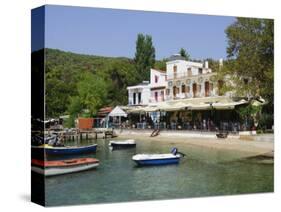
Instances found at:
x=101 y=80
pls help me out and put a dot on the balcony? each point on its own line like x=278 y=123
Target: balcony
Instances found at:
x=188 y=95
x=185 y=75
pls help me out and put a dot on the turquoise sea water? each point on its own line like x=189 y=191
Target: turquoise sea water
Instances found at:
x=203 y=172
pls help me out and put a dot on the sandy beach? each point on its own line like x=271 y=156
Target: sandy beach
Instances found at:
x=248 y=146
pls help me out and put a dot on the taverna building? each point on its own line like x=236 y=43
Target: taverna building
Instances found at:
x=187 y=95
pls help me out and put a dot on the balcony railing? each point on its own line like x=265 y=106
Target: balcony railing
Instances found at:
x=189 y=95
x=185 y=75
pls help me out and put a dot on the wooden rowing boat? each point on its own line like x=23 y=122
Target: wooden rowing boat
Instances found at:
x=67 y=150
x=59 y=167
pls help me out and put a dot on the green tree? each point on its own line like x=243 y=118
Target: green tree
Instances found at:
x=184 y=54
x=144 y=56
x=251 y=55
x=92 y=92
x=120 y=75
x=249 y=68
x=249 y=113
x=160 y=64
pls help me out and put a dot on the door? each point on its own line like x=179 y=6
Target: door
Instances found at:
x=174 y=91
x=207 y=89
x=156 y=96
x=194 y=89
x=139 y=97
x=134 y=98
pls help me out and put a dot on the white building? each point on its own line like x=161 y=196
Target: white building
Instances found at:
x=182 y=79
x=158 y=85
x=187 y=79
x=139 y=94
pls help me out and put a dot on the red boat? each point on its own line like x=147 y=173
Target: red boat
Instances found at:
x=58 y=167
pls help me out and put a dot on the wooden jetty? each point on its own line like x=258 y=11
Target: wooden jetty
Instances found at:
x=106 y=132
x=80 y=134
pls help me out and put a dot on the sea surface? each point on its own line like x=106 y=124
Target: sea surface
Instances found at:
x=202 y=172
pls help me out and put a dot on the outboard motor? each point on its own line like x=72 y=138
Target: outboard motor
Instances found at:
x=174 y=151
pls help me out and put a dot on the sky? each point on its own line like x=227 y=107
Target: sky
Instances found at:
x=109 y=32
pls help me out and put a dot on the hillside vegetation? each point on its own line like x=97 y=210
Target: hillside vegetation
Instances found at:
x=101 y=79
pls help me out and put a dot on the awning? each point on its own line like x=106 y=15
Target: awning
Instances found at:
x=207 y=103
x=117 y=111
x=228 y=105
x=173 y=106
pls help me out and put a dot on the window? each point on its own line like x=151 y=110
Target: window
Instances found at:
x=139 y=95
x=155 y=79
x=156 y=96
x=183 y=88
x=134 y=98
x=189 y=72
x=167 y=92
x=162 y=95
x=174 y=91
x=175 y=71
x=200 y=71
x=175 y=68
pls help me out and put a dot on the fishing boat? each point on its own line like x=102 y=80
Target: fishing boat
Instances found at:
x=158 y=159
x=59 y=167
x=122 y=144
x=66 y=150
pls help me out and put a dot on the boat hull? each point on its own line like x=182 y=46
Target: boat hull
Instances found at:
x=122 y=146
x=70 y=150
x=62 y=170
x=156 y=162
x=130 y=143
x=52 y=168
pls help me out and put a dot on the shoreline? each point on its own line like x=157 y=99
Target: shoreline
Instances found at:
x=259 y=145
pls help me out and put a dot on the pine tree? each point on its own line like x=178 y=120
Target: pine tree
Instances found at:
x=184 y=54
x=144 y=56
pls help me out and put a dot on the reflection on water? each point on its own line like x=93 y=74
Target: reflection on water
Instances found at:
x=203 y=172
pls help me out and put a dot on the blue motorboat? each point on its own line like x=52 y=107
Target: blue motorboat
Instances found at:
x=67 y=150
x=158 y=159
